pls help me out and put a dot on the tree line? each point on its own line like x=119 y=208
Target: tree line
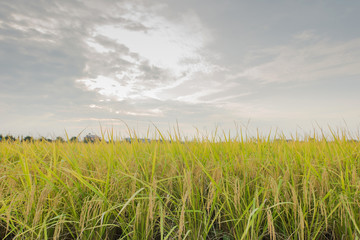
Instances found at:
x=87 y=139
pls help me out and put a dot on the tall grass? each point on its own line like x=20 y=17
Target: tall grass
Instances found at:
x=201 y=189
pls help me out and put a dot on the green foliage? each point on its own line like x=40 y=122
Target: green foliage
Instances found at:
x=10 y=138
x=199 y=189
x=60 y=139
x=28 y=139
x=74 y=139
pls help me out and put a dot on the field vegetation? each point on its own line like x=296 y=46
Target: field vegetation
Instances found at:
x=236 y=188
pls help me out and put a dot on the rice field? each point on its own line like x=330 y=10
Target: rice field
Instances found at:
x=237 y=188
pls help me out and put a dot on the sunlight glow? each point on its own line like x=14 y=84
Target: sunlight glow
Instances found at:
x=174 y=48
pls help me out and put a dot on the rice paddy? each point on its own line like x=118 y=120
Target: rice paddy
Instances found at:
x=237 y=188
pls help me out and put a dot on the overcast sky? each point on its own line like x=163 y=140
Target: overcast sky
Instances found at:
x=72 y=65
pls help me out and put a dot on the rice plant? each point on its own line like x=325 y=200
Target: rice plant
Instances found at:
x=204 y=188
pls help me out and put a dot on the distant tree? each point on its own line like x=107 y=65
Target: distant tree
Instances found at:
x=1 y=137
x=43 y=139
x=28 y=139
x=10 y=138
x=60 y=139
x=73 y=139
x=91 y=138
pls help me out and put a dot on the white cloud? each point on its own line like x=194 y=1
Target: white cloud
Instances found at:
x=108 y=87
x=306 y=61
x=49 y=26
x=95 y=106
x=165 y=45
x=306 y=35
x=98 y=47
x=156 y=112
x=196 y=97
x=88 y=119
x=163 y=54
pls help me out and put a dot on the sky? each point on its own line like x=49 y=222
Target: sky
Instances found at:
x=79 y=66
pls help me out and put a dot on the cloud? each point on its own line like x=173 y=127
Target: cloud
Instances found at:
x=305 y=60
x=145 y=62
x=69 y=64
x=306 y=35
x=79 y=60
